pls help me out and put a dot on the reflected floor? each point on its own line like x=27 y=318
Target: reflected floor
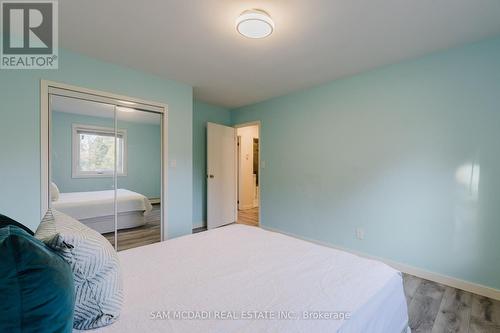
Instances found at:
x=148 y=233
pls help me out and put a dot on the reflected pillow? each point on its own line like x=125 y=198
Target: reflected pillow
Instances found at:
x=54 y=192
x=36 y=286
x=95 y=266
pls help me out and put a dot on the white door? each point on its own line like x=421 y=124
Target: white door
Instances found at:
x=221 y=175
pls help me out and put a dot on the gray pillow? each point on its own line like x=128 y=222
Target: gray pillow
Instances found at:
x=95 y=265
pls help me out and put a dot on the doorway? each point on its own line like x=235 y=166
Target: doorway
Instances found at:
x=248 y=171
x=233 y=174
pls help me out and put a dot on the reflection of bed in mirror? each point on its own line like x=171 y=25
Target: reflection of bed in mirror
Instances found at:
x=96 y=208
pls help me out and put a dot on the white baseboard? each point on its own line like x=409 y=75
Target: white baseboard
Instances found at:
x=421 y=273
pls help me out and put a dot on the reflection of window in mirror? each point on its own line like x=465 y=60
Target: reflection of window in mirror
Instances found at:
x=91 y=142
x=256 y=159
x=94 y=151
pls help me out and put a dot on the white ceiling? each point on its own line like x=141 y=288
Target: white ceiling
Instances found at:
x=102 y=110
x=315 y=41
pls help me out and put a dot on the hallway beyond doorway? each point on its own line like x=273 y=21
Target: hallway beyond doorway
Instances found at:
x=249 y=217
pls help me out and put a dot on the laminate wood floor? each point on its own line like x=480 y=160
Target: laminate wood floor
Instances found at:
x=249 y=217
x=436 y=308
x=148 y=233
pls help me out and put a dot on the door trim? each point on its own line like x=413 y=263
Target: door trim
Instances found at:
x=67 y=90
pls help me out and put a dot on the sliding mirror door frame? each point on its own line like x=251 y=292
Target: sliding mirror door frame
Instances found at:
x=48 y=88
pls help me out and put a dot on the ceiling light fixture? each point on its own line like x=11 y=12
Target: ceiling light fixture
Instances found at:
x=254 y=23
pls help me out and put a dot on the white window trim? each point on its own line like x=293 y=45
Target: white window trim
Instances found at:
x=76 y=173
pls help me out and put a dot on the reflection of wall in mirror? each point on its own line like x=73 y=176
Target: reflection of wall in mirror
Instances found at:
x=143 y=156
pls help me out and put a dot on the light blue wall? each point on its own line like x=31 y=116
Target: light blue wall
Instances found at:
x=388 y=151
x=20 y=132
x=203 y=113
x=143 y=156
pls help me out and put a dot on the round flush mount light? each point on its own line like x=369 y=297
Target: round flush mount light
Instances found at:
x=254 y=23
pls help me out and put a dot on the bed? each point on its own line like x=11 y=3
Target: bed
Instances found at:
x=241 y=273
x=96 y=208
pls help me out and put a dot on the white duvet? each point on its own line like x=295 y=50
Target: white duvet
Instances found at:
x=85 y=205
x=239 y=269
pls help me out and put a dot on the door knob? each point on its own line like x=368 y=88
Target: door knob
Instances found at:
x=211 y=176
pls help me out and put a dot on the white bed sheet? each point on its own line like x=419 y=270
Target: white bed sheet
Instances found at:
x=86 y=205
x=240 y=268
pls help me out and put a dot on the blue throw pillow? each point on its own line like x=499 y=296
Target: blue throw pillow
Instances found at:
x=5 y=221
x=36 y=285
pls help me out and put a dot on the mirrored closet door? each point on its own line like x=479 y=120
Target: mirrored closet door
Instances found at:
x=105 y=162
x=139 y=220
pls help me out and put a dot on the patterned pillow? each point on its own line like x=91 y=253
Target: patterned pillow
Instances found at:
x=95 y=265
